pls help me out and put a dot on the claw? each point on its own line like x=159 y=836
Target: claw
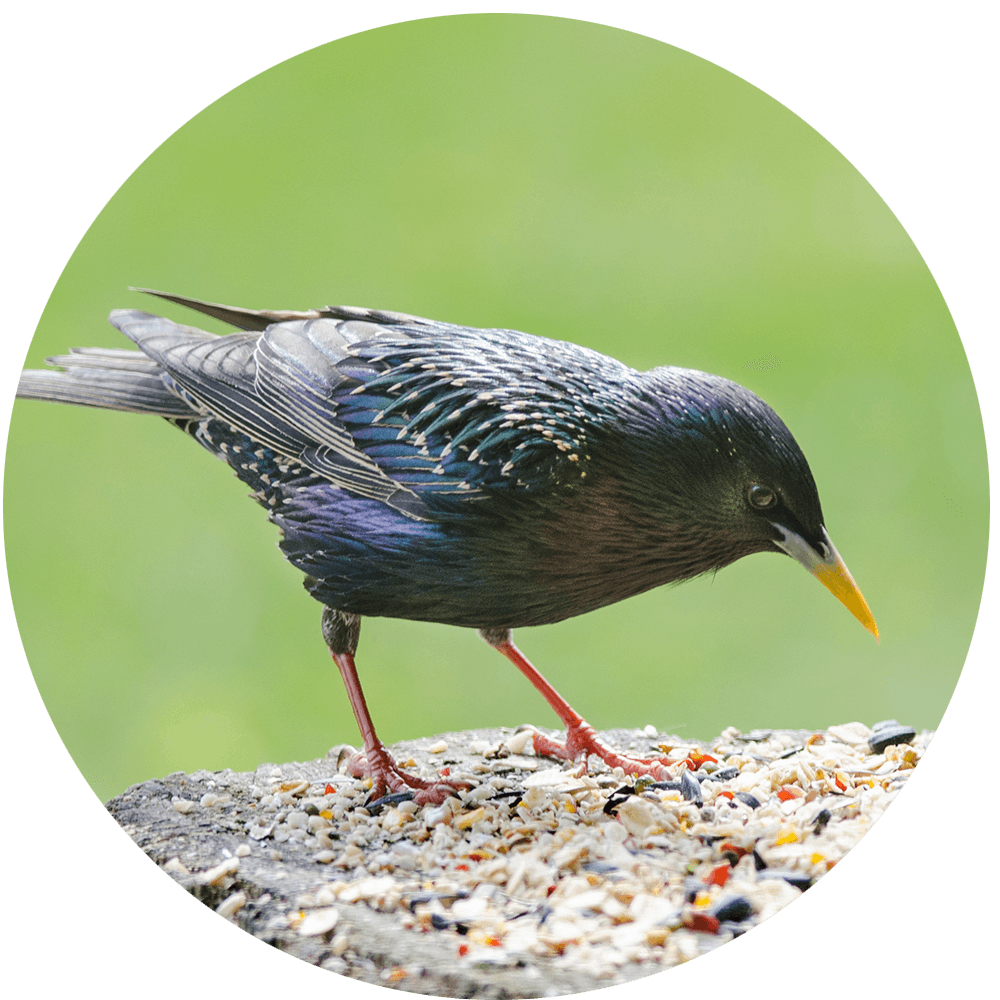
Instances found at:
x=582 y=741
x=391 y=784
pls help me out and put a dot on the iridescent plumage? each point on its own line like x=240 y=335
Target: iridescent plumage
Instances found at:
x=481 y=478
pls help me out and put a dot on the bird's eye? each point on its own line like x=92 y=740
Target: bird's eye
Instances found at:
x=761 y=497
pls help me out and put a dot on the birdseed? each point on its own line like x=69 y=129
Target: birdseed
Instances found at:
x=587 y=874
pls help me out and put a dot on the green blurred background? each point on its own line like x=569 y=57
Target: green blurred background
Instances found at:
x=554 y=176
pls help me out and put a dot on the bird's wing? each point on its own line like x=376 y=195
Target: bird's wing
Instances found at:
x=274 y=388
x=468 y=412
x=400 y=409
x=261 y=319
x=391 y=406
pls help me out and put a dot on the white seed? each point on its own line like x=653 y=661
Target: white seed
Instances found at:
x=320 y=921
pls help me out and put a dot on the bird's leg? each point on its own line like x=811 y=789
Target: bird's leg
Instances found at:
x=581 y=740
x=341 y=632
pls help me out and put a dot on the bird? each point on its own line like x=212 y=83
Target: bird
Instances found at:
x=482 y=478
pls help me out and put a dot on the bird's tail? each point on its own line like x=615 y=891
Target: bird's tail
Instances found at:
x=106 y=378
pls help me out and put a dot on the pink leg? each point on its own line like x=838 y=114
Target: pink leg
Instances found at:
x=341 y=631
x=581 y=740
x=375 y=761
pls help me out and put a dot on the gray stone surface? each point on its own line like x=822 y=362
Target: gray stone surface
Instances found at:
x=215 y=853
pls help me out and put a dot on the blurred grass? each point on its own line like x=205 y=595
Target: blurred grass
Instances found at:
x=554 y=176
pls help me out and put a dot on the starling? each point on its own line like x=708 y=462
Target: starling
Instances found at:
x=488 y=479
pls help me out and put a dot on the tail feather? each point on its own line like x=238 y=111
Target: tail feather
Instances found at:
x=106 y=378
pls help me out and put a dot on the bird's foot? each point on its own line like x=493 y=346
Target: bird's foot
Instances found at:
x=582 y=741
x=387 y=777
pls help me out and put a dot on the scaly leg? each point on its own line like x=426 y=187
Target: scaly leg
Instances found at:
x=341 y=632
x=581 y=740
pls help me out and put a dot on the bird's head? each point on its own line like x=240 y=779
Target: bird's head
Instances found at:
x=744 y=481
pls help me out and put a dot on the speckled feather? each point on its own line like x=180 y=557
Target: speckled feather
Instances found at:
x=484 y=478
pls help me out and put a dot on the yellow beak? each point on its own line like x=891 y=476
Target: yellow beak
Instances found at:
x=830 y=570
